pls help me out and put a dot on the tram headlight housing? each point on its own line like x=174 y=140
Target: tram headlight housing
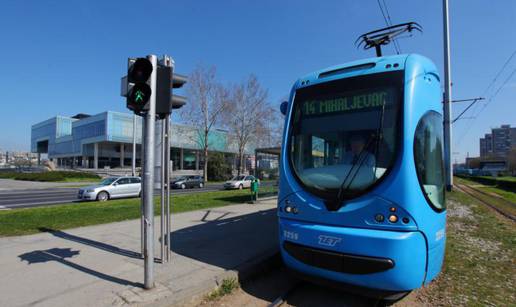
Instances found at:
x=393 y=218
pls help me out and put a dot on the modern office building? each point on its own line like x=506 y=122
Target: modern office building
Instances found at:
x=498 y=143
x=105 y=140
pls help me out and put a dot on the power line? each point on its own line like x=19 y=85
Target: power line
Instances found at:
x=499 y=72
x=477 y=114
x=387 y=22
x=396 y=44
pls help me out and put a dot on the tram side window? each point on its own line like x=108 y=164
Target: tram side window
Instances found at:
x=428 y=156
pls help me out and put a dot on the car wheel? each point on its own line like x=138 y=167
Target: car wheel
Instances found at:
x=102 y=196
x=183 y=186
x=140 y=194
x=240 y=187
x=201 y=185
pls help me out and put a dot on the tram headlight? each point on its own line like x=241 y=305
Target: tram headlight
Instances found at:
x=393 y=218
x=288 y=209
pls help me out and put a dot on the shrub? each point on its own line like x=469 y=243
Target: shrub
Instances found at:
x=49 y=176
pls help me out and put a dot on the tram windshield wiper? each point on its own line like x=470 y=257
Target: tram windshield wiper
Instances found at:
x=362 y=157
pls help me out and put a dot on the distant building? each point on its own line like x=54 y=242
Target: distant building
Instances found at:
x=498 y=143
x=105 y=140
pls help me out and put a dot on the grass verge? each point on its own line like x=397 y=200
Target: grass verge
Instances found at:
x=226 y=287
x=58 y=217
x=479 y=268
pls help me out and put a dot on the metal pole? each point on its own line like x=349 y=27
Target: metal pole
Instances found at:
x=162 y=190
x=167 y=180
x=149 y=181
x=133 y=164
x=142 y=155
x=447 y=100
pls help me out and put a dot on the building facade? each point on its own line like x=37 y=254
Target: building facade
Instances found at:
x=105 y=140
x=498 y=143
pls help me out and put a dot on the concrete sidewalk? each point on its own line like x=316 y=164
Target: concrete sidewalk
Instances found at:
x=100 y=265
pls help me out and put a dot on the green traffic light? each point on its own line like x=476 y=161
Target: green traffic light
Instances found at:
x=139 y=96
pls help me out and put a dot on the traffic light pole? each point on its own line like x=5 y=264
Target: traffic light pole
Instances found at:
x=148 y=183
x=133 y=162
x=167 y=180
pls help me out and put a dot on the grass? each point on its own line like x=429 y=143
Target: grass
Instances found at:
x=507 y=195
x=58 y=217
x=226 y=287
x=479 y=268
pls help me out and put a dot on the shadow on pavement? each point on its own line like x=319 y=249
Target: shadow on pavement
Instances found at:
x=89 y=242
x=229 y=242
x=60 y=255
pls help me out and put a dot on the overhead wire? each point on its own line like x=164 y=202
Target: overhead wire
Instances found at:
x=491 y=98
x=396 y=44
x=387 y=22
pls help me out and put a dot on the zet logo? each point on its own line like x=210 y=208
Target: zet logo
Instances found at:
x=328 y=240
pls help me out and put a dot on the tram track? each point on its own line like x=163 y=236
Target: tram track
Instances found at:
x=300 y=289
x=473 y=192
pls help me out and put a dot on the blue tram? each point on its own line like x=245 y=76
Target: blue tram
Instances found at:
x=361 y=201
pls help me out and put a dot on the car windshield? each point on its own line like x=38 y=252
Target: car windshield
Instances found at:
x=238 y=178
x=108 y=181
x=343 y=135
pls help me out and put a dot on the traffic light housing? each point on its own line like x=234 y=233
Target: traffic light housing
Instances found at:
x=165 y=100
x=139 y=90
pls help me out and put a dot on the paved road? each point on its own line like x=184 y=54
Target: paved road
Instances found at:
x=43 y=197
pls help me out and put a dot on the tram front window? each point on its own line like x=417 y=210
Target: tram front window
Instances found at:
x=343 y=140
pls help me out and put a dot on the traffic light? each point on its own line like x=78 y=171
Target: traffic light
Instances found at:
x=138 y=85
x=165 y=100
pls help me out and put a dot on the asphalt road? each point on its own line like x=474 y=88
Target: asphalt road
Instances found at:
x=53 y=196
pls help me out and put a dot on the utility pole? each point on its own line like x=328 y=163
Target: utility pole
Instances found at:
x=447 y=100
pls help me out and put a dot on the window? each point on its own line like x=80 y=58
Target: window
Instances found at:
x=123 y=181
x=344 y=134
x=428 y=156
x=135 y=180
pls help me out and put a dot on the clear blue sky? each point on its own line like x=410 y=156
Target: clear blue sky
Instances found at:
x=66 y=57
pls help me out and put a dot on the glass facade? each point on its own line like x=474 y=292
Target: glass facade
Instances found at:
x=66 y=137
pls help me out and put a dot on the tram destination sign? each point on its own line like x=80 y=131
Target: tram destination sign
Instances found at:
x=346 y=103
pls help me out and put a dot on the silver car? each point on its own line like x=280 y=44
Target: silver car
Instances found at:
x=239 y=182
x=112 y=187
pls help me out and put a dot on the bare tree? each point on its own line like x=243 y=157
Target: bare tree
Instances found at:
x=207 y=101
x=248 y=115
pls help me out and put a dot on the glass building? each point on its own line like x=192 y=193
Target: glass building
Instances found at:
x=106 y=140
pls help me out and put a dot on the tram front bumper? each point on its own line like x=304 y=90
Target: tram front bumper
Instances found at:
x=374 y=259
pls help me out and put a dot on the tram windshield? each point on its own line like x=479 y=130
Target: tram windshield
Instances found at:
x=344 y=135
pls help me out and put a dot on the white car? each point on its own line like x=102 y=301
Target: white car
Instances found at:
x=112 y=187
x=239 y=182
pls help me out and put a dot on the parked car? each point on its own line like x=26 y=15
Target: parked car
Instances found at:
x=239 y=182
x=112 y=187
x=184 y=182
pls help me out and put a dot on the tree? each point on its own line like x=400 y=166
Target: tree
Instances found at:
x=21 y=163
x=218 y=169
x=207 y=101
x=248 y=115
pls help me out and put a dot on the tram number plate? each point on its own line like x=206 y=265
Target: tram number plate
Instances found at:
x=290 y=235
